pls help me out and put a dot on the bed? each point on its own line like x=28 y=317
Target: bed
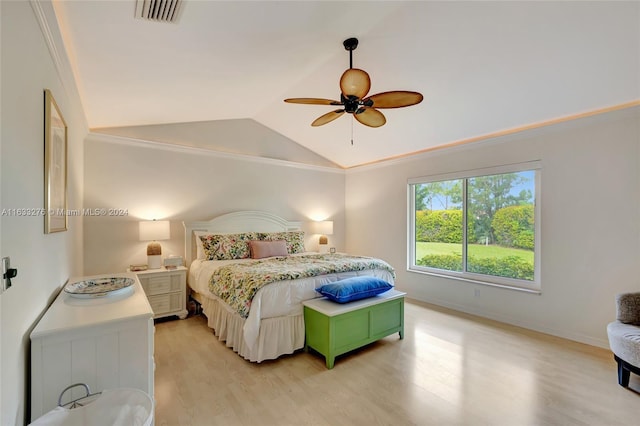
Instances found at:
x=272 y=323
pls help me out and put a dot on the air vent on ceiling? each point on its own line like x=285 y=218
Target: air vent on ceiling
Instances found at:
x=158 y=10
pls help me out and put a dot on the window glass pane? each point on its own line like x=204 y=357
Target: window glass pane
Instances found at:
x=500 y=217
x=438 y=225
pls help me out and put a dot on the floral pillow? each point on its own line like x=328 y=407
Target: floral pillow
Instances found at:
x=294 y=239
x=227 y=246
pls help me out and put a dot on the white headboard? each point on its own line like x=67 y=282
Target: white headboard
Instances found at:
x=243 y=221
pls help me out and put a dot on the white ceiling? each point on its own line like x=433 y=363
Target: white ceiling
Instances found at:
x=483 y=67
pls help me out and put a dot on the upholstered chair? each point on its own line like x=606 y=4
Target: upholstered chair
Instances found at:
x=624 y=336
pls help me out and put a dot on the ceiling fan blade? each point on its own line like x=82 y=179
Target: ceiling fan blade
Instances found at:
x=355 y=82
x=312 y=101
x=370 y=117
x=327 y=118
x=395 y=99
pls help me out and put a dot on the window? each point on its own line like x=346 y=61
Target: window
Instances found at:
x=482 y=226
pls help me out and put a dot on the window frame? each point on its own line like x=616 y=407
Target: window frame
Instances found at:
x=496 y=281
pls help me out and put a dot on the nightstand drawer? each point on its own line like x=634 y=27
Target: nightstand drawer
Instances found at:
x=165 y=303
x=160 y=284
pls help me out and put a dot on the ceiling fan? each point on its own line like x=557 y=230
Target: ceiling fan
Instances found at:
x=354 y=86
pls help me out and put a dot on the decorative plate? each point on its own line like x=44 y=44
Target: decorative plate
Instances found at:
x=99 y=287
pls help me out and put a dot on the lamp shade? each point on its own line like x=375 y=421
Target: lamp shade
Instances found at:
x=324 y=227
x=154 y=230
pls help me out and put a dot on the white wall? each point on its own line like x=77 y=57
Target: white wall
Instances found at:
x=184 y=184
x=44 y=262
x=590 y=223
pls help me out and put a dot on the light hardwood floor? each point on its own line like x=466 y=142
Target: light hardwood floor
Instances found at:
x=450 y=369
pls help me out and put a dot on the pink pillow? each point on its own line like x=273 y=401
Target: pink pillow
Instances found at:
x=260 y=249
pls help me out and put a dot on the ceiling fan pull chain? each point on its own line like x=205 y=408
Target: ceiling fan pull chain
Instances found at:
x=351 y=132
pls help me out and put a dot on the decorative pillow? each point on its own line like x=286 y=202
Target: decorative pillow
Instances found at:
x=260 y=249
x=355 y=288
x=294 y=239
x=199 y=247
x=227 y=246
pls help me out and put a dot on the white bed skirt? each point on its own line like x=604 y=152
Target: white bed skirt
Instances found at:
x=278 y=336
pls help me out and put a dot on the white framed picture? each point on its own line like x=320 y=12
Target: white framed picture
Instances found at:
x=55 y=166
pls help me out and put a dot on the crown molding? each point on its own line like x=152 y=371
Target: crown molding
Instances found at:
x=46 y=18
x=164 y=146
x=632 y=107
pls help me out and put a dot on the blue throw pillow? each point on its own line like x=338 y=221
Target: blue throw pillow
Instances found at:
x=354 y=289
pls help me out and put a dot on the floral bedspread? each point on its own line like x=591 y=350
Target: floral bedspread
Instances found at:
x=237 y=284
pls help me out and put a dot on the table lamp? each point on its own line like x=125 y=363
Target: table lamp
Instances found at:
x=154 y=230
x=323 y=228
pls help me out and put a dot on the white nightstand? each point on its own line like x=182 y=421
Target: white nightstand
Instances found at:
x=166 y=290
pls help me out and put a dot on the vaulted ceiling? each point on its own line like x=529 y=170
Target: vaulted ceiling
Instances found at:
x=483 y=67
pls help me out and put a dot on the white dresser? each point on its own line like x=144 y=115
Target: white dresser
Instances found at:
x=105 y=342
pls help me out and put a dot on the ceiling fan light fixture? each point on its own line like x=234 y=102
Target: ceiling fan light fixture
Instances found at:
x=354 y=86
x=355 y=82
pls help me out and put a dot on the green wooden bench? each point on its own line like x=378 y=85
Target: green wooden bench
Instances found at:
x=333 y=329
